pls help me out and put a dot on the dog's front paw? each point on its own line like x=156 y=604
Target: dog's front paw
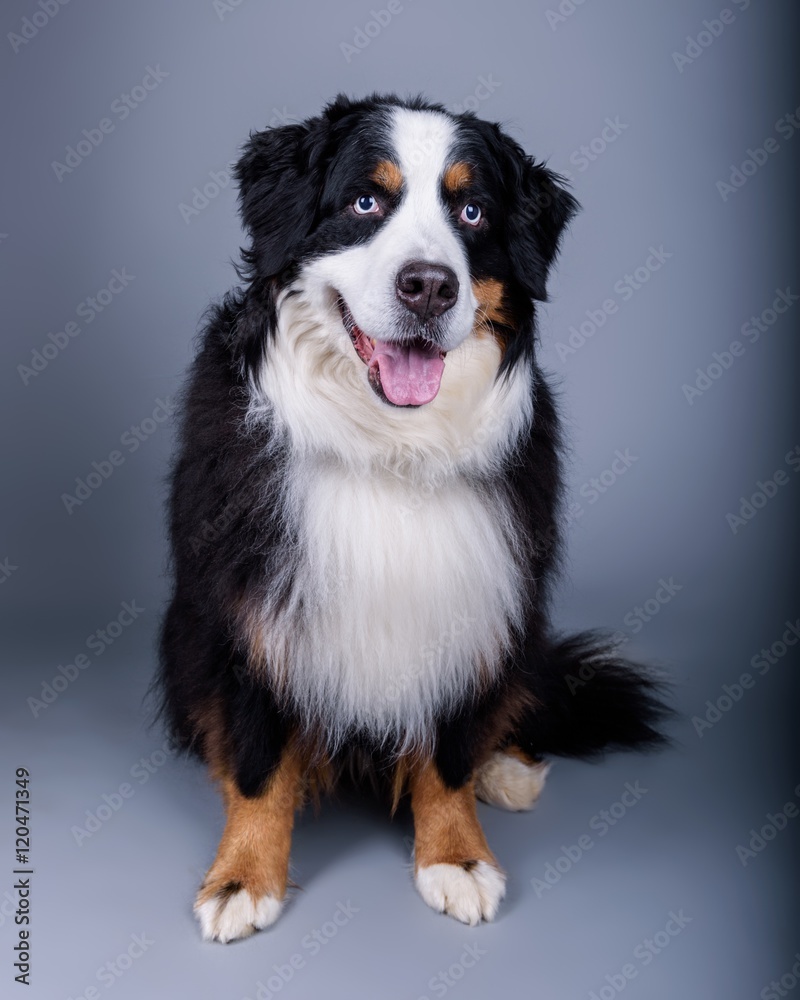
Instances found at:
x=229 y=912
x=470 y=891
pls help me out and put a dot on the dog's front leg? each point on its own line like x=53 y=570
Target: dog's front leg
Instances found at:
x=246 y=885
x=454 y=870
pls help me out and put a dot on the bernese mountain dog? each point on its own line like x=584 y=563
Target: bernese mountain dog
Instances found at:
x=364 y=510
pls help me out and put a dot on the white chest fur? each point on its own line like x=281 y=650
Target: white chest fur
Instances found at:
x=404 y=582
x=401 y=599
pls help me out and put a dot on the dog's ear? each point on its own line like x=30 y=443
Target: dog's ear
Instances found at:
x=278 y=176
x=540 y=210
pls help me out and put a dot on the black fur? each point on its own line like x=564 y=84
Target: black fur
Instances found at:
x=225 y=536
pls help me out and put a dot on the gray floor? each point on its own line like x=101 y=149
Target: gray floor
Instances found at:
x=575 y=914
x=676 y=132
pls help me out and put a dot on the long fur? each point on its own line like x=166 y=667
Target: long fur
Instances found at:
x=367 y=576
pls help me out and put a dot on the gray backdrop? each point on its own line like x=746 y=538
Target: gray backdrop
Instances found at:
x=676 y=138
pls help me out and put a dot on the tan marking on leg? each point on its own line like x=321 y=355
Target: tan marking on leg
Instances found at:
x=446 y=827
x=320 y=779
x=388 y=176
x=457 y=177
x=406 y=765
x=253 y=854
x=399 y=782
x=455 y=872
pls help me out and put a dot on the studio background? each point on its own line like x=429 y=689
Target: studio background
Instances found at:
x=686 y=178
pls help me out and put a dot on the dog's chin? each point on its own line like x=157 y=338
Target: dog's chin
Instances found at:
x=402 y=373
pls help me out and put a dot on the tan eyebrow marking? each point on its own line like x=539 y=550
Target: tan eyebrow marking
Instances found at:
x=388 y=176
x=457 y=177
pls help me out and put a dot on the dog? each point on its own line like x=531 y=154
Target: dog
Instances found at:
x=364 y=506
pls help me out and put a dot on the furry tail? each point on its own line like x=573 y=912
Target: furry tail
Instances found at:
x=592 y=700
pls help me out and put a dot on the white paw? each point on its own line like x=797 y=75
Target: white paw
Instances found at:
x=226 y=918
x=469 y=895
x=506 y=781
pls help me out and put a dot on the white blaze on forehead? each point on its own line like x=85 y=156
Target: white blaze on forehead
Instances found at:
x=423 y=143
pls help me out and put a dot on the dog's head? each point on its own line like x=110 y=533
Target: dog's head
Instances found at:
x=413 y=227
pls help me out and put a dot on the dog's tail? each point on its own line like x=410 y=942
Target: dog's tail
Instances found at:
x=590 y=700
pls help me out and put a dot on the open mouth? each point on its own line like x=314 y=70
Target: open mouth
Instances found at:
x=403 y=374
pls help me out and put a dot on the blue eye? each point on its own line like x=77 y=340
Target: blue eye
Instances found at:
x=365 y=204
x=471 y=214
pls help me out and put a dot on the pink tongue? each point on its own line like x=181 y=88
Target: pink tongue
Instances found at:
x=410 y=373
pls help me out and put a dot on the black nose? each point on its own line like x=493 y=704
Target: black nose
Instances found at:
x=427 y=289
